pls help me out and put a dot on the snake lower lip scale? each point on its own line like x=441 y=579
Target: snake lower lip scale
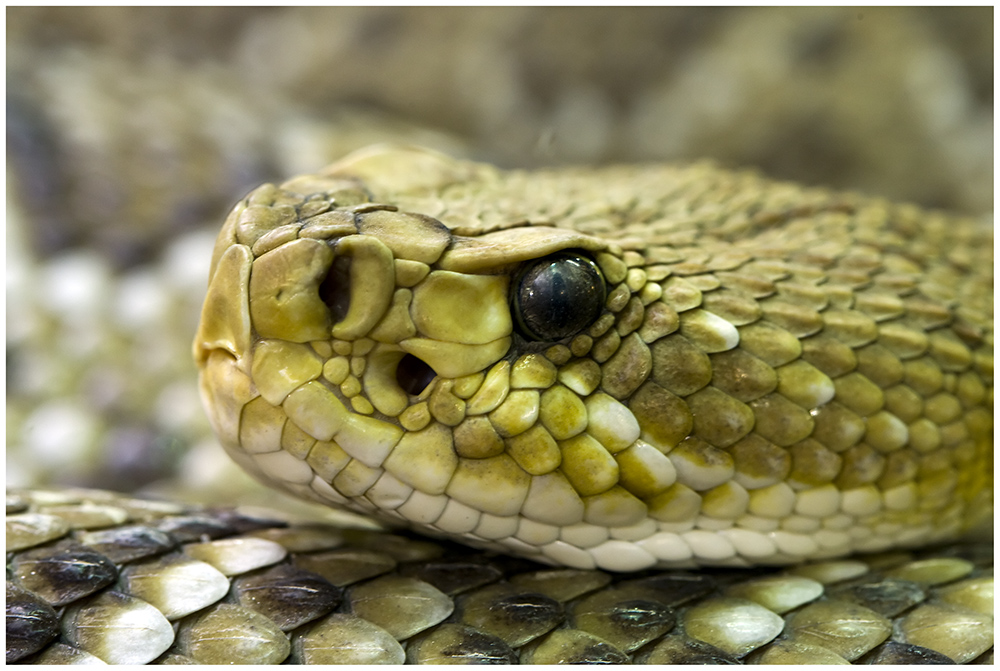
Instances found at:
x=769 y=375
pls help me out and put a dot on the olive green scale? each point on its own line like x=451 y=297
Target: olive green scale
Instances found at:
x=98 y=576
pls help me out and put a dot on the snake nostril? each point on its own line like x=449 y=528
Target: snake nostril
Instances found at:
x=335 y=289
x=413 y=375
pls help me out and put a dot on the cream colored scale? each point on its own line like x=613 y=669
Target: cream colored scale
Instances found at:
x=775 y=373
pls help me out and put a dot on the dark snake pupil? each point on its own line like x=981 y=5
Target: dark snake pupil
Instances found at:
x=558 y=296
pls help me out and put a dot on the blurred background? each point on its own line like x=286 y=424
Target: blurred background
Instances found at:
x=131 y=131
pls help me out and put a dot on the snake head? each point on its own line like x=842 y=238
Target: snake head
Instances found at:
x=366 y=355
x=549 y=364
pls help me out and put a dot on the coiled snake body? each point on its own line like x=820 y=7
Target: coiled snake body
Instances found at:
x=618 y=369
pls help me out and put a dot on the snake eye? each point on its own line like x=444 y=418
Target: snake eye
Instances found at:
x=557 y=296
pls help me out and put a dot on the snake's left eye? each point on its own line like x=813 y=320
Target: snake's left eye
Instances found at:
x=557 y=296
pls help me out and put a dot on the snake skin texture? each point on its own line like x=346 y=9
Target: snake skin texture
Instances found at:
x=95 y=576
x=765 y=374
x=130 y=131
x=100 y=576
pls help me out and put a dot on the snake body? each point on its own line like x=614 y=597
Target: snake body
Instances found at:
x=759 y=374
x=97 y=576
x=622 y=368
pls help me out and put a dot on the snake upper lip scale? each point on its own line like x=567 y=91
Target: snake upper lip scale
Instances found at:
x=620 y=368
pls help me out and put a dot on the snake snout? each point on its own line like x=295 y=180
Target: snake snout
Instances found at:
x=358 y=286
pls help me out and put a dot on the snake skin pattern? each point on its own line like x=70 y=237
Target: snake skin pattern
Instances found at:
x=765 y=374
x=128 y=127
x=96 y=577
